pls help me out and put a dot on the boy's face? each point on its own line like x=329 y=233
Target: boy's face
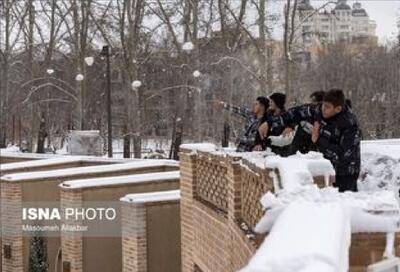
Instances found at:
x=329 y=110
x=258 y=107
x=272 y=105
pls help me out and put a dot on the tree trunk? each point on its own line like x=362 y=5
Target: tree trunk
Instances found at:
x=41 y=135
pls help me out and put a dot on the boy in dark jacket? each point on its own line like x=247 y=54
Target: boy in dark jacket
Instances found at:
x=302 y=138
x=335 y=134
x=250 y=140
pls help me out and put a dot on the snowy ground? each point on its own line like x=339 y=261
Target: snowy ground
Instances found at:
x=380 y=160
x=380 y=165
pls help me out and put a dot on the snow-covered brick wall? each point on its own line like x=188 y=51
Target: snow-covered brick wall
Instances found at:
x=308 y=237
x=370 y=211
x=299 y=169
x=152 y=197
x=128 y=179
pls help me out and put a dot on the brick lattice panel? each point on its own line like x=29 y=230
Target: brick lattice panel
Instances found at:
x=254 y=186
x=212 y=185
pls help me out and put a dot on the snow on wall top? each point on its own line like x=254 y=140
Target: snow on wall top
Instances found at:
x=205 y=147
x=370 y=211
x=152 y=197
x=390 y=147
x=17 y=154
x=88 y=169
x=37 y=163
x=118 y=180
x=299 y=169
x=37 y=156
x=319 y=242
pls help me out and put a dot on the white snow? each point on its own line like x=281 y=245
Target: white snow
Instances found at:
x=380 y=165
x=152 y=197
x=196 y=73
x=390 y=147
x=79 y=77
x=370 y=211
x=188 y=46
x=204 y=147
x=111 y=181
x=50 y=71
x=298 y=170
x=37 y=163
x=89 y=61
x=136 y=84
x=309 y=237
x=76 y=171
x=9 y=149
x=282 y=140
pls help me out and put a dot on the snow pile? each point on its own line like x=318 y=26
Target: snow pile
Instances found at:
x=298 y=170
x=380 y=165
x=319 y=242
x=370 y=211
x=152 y=197
x=10 y=149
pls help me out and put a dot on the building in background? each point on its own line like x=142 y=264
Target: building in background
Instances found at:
x=315 y=28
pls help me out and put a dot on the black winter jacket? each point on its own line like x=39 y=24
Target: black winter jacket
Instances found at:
x=339 y=139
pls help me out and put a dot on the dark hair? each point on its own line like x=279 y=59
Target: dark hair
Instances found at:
x=263 y=101
x=279 y=100
x=348 y=103
x=317 y=96
x=335 y=96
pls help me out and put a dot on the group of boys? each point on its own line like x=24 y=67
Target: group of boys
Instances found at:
x=326 y=124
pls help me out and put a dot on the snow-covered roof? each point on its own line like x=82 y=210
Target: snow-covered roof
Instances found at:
x=152 y=197
x=38 y=163
x=119 y=180
x=76 y=171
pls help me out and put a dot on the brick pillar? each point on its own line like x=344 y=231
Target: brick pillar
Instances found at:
x=188 y=191
x=134 y=243
x=234 y=207
x=11 y=219
x=234 y=190
x=71 y=242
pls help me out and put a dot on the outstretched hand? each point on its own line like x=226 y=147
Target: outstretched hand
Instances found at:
x=263 y=130
x=218 y=103
x=315 y=132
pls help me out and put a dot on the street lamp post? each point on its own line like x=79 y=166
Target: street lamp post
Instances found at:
x=106 y=53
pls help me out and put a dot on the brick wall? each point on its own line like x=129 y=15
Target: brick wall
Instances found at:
x=12 y=239
x=213 y=239
x=188 y=193
x=71 y=243
x=134 y=244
